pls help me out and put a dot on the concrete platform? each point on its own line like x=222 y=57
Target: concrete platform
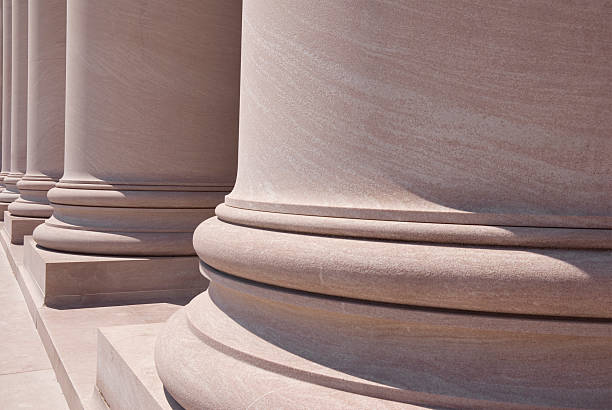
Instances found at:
x=126 y=377
x=73 y=280
x=19 y=226
x=69 y=335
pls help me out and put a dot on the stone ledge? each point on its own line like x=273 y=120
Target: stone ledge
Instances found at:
x=19 y=226
x=126 y=375
x=74 y=280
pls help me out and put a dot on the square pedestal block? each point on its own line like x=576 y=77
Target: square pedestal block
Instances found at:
x=3 y=209
x=126 y=375
x=75 y=280
x=19 y=226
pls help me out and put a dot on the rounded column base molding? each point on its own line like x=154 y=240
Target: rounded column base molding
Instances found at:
x=534 y=281
x=2 y=176
x=137 y=196
x=118 y=243
x=442 y=233
x=128 y=220
x=291 y=347
x=10 y=191
x=32 y=201
x=121 y=231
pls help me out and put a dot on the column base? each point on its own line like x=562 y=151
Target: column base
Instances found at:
x=76 y=280
x=19 y=226
x=241 y=342
x=7 y=196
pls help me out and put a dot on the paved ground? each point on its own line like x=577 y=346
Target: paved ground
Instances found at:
x=27 y=380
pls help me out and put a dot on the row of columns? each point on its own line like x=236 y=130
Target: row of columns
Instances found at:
x=422 y=211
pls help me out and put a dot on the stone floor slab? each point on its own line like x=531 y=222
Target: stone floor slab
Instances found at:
x=27 y=380
x=36 y=390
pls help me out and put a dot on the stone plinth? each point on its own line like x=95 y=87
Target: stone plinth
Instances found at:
x=45 y=110
x=71 y=280
x=17 y=227
x=126 y=375
x=421 y=215
x=151 y=134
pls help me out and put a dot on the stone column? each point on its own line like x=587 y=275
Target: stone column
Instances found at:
x=19 y=96
x=6 y=95
x=151 y=128
x=1 y=81
x=46 y=97
x=422 y=213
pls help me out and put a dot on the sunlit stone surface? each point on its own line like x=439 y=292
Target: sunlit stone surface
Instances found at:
x=151 y=126
x=45 y=112
x=19 y=95
x=422 y=214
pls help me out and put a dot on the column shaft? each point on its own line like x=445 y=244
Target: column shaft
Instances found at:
x=151 y=125
x=19 y=96
x=6 y=88
x=422 y=213
x=45 y=109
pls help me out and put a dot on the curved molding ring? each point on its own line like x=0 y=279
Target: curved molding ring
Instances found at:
x=488 y=279
x=341 y=352
x=517 y=236
x=144 y=186
x=29 y=208
x=440 y=216
x=114 y=243
x=136 y=198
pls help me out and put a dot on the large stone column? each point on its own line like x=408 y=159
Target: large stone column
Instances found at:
x=46 y=97
x=6 y=95
x=151 y=129
x=422 y=213
x=1 y=81
x=19 y=96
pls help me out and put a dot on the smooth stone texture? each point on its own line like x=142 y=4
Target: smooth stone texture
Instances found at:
x=19 y=97
x=126 y=374
x=17 y=227
x=151 y=125
x=69 y=335
x=26 y=377
x=297 y=347
x=32 y=390
x=45 y=112
x=492 y=279
x=461 y=116
x=20 y=346
x=6 y=89
x=1 y=80
x=66 y=279
x=422 y=212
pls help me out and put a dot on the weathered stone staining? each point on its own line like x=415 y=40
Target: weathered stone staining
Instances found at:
x=45 y=112
x=422 y=213
x=19 y=96
x=151 y=126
